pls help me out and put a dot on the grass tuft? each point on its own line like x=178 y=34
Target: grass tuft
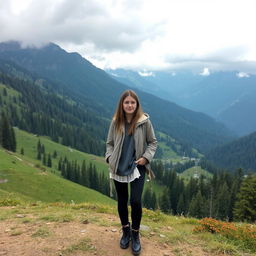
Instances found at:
x=84 y=245
x=41 y=232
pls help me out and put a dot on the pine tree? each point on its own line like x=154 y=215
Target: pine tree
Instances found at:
x=7 y=136
x=84 y=175
x=153 y=201
x=13 y=140
x=63 y=169
x=197 y=206
x=42 y=149
x=49 y=161
x=5 y=92
x=233 y=196
x=95 y=178
x=44 y=159
x=90 y=176
x=68 y=170
x=38 y=155
x=147 y=198
x=164 y=201
x=223 y=202
x=245 y=207
x=181 y=207
x=55 y=154
x=22 y=151
x=76 y=171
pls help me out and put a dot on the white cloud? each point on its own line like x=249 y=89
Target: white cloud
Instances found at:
x=146 y=73
x=107 y=25
x=242 y=75
x=205 y=72
x=140 y=34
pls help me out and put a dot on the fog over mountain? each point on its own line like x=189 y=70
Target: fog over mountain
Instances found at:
x=140 y=34
x=226 y=96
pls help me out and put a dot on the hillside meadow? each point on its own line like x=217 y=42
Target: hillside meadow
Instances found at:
x=29 y=142
x=28 y=180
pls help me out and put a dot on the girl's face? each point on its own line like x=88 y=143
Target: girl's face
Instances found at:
x=129 y=105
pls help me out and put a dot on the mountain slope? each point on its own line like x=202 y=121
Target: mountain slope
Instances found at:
x=25 y=179
x=238 y=115
x=226 y=96
x=83 y=83
x=35 y=106
x=60 y=117
x=175 y=87
x=236 y=154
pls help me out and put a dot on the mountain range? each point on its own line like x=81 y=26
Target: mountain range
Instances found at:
x=226 y=96
x=93 y=90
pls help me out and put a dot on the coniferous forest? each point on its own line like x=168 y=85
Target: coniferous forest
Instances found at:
x=43 y=112
x=227 y=195
x=238 y=153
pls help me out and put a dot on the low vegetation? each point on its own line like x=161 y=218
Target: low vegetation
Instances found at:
x=160 y=232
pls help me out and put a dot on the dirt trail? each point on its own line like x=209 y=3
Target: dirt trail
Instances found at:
x=67 y=238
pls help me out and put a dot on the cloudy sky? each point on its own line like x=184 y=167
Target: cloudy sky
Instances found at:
x=200 y=35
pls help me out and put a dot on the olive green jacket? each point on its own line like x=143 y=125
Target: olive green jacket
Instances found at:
x=145 y=144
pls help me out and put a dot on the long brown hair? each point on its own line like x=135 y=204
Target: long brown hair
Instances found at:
x=119 y=115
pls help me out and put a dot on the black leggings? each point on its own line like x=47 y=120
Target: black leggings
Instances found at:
x=135 y=199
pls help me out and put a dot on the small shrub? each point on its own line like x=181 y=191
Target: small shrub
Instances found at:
x=243 y=233
x=9 y=202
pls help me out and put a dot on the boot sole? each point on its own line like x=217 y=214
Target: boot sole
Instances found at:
x=124 y=246
x=136 y=253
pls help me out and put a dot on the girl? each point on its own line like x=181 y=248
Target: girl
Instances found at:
x=131 y=145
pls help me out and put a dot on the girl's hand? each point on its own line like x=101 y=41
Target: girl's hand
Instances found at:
x=141 y=161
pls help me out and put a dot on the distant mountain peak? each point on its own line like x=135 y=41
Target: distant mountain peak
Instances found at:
x=17 y=45
x=10 y=46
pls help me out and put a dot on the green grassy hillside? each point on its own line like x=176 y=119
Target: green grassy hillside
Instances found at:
x=25 y=179
x=29 y=142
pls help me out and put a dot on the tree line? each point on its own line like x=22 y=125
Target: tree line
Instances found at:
x=85 y=174
x=43 y=156
x=7 y=134
x=220 y=197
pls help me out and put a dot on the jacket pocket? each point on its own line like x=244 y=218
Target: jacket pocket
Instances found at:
x=111 y=162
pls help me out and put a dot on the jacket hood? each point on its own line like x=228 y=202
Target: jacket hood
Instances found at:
x=143 y=118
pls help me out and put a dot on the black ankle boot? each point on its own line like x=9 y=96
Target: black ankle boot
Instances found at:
x=136 y=248
x=126 y=237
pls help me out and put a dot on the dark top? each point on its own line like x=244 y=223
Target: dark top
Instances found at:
x=127 y=159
